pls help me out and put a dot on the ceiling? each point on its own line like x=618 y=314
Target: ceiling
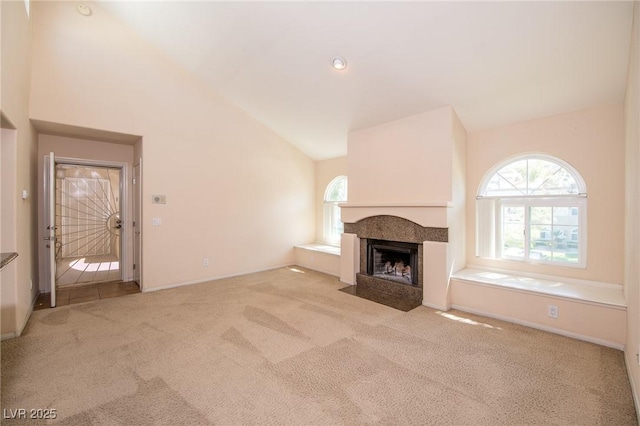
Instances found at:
x=495 y=62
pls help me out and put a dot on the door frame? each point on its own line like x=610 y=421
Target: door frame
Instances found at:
x=125 y=256
x=137 y=218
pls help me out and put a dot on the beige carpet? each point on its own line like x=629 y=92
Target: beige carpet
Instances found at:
x=286 y=347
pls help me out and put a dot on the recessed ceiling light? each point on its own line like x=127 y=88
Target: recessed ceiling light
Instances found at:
x=339 y=63
x=84 y=10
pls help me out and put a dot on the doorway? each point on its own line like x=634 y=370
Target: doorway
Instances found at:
x=85 y=209
x=88 y=224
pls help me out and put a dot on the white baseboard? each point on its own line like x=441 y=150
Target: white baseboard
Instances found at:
x=561 y=332
x=320 y=270
x=634 y=387
x=216 y=278
x=27 y=316
x=8 y=336
x=18 y=333
x=434 y=306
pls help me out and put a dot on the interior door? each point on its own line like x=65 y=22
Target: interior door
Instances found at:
x=51 y=227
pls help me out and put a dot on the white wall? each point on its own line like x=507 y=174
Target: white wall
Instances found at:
x=632 y=207
x=15 y=89
x=592 y=141
x=237 y=193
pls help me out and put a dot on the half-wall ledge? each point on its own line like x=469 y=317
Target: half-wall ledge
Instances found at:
x=611 y=295
x=319 y=257
x=592 y=311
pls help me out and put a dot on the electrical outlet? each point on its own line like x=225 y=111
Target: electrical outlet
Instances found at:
x=205 y=262
x=552 y=311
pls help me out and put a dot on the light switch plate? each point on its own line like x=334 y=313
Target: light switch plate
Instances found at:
x=156 y=221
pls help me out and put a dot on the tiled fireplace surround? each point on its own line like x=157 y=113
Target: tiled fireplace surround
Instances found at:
x=425 y=224
x=397 y=229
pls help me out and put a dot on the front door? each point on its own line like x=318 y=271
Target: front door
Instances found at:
x=88 y=224
x=83 y=204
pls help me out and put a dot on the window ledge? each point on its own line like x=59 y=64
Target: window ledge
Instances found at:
x=599 y=293
x=323 y=248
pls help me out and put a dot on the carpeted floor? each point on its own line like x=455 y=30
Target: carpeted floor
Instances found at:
x=286 y=347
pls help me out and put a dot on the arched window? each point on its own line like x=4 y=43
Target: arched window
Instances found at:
x=532 y=208
x=335 y=194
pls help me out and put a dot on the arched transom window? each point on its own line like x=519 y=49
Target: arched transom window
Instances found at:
x=335 y=194
x=532 y=208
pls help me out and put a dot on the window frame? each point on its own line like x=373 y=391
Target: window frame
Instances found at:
x=489 y=214
x=331 y=212
x=528 y=202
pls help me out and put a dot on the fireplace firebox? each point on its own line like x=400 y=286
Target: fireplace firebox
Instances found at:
x=393 y=260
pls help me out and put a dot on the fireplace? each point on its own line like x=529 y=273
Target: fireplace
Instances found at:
x=393 y=260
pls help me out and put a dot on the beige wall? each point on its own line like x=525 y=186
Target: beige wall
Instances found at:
x=16 y=63
x=457 y=213
x=237 y=193
x=82 y=149
x=592 y=141
x=8 y=237
x=326 y=171
x=632 y=211
x=403 y=161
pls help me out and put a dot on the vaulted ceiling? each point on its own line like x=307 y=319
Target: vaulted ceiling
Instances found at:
x=494 y=62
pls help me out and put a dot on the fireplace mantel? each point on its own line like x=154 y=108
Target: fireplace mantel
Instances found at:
x=431 y=214
x=395 y=228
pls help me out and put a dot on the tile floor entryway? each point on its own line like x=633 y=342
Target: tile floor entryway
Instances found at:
x=87 y=293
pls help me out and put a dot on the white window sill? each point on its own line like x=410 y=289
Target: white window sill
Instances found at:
x=323 y=248
x=611 y=295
